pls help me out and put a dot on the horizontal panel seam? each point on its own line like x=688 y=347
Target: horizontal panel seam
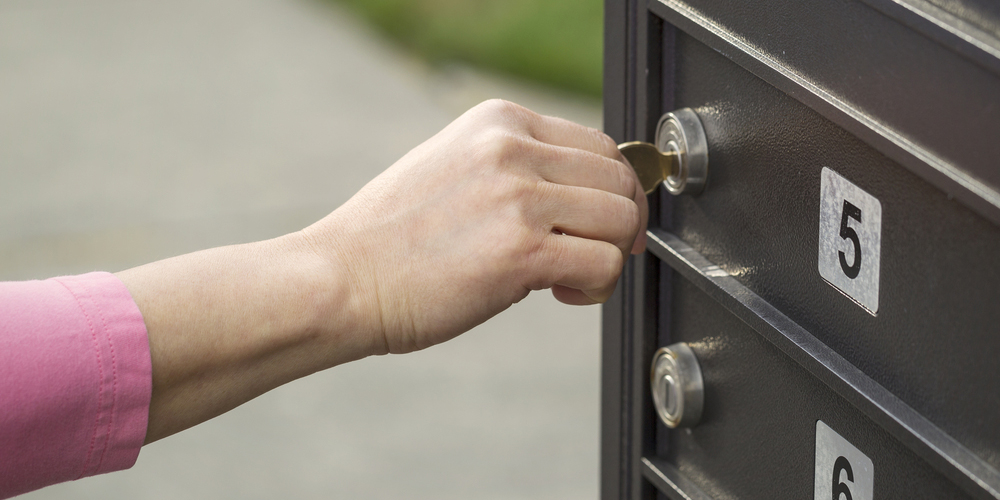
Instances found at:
x=940 y=165
x=952 y=24
x=685 y=260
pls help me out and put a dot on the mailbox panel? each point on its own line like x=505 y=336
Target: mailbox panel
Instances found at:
x=758 y=434
x=934 y=341
x=854 y=137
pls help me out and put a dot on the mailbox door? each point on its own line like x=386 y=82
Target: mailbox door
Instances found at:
x=854 y=137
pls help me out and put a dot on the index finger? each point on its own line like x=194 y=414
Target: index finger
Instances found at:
x=561 y=132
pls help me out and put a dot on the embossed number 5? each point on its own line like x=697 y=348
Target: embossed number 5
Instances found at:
x=848 y=233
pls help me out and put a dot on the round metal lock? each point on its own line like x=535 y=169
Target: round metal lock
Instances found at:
x=678 y=390
x=681 y=132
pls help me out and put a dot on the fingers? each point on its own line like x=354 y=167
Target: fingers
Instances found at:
x=580 y=271
x=560 y=132
x=547 y=129
x=573 y=167
x=595 y=230
x=570 y=154
x=571 y=296
x=596 y=161
x=594 y=214
x=639 y=244
x=576 y=167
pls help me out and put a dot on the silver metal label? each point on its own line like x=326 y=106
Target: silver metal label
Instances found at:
x=842 y=471
x=850 y=239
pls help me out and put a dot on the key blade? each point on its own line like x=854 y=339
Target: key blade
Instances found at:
x=650 y=165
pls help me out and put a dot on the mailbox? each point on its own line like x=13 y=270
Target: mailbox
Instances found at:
x=829 y=300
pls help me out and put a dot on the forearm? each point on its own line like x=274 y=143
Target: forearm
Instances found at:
x=228 y=324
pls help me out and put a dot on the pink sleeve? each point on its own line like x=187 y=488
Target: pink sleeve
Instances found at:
x=75 y=380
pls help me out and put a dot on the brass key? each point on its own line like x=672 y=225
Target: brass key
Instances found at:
x=650 y=164
x=678 y=159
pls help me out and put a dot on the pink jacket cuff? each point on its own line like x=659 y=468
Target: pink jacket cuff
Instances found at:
x=76 y=380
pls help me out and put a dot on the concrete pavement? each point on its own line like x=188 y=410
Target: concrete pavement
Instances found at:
x=132 y=130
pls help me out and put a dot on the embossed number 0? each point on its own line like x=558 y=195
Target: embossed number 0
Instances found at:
x=848 y=233
x=839 y=487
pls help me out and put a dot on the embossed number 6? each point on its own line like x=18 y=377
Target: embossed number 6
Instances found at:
x=842 y=464
x=848 y=233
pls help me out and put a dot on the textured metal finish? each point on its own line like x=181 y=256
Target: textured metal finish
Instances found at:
x=680 y=132
x=785 y=88
x=940 y=268
x=757 y=437
x=970 y=32
x=615 y=414
x=670 y=481
x=632 y=106
x=676 y=385
x=901 y=118
x=905 y=424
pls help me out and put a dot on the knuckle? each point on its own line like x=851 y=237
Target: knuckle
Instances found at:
x=627 y=178
x=505 y=111
x=505 y=147
x=631 y=217
x=633 y=221
x=536 y=266
x=523 y=197
x=614 y=263
x=605 y=144
x=523 y=202
x=493 y=105
x=623 y=221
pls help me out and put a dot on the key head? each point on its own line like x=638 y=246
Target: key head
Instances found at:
x=650 y=165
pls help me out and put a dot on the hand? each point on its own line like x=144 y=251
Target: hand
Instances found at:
x=501 y=202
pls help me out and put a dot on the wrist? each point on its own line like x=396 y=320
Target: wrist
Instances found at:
x=336 y=313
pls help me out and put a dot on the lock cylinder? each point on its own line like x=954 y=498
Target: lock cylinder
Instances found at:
x=679 y=159
x=681 y=133
x=677 y=386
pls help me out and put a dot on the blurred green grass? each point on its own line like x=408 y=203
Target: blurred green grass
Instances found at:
x=554 y=42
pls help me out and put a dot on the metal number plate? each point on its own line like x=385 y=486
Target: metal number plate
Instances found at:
x=850 y=239
x=842 y=471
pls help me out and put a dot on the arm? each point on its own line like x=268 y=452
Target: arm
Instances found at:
x=499 y=203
